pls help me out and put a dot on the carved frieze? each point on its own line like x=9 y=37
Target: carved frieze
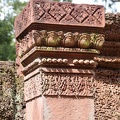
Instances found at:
x=59 y=39
x=58 y=84
x=67 y=84
x=40 y=11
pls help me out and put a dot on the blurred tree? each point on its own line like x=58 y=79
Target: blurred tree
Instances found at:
x=9 y=9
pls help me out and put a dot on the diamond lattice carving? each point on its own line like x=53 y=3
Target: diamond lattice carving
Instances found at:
x=80 y=14
x=57 y=12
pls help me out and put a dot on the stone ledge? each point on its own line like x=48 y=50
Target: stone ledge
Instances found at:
x=108 y=62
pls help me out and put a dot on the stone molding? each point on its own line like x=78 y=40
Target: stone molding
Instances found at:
x=108 y=62
x=60 y=39
x=58 y=63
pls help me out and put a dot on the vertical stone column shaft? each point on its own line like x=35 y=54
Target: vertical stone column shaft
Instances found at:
x=56 y=45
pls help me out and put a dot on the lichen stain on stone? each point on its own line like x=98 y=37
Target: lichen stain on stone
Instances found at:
x=11 y=107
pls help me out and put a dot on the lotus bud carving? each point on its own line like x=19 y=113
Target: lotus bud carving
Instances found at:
x=69 y=40
x=99 y=41
x=93 y=39
x=40 y=37
x=84 y=41
x=52 y=39
x=61 y=36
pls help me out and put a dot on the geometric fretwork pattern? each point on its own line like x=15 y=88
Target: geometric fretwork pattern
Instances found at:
x=39 y=11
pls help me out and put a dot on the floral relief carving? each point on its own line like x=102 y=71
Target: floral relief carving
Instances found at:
x=23 y=19
x=94 y=11
x=57 y=12
x=60 y=12
x=67 y=84
x=32 y=87
x=80 y=14
x=68 y=7
x=59 y=84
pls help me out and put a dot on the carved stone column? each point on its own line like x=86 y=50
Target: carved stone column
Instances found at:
x=56 y=45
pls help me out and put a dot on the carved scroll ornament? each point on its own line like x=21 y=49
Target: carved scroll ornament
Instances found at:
x=59 y=84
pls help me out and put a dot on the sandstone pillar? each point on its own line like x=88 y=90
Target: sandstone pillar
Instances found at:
x=56 y=45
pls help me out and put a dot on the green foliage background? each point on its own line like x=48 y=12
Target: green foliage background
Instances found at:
x=9 y=9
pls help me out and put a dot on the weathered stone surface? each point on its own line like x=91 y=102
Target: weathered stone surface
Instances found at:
x=107 y=94
x=111 y=48
x=34 y=109
x=112 y=27
x=60 y=108
x=68 y=108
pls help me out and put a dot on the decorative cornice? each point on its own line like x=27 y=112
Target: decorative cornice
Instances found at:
x=59 y=13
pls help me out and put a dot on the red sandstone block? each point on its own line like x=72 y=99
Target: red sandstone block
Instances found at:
x=60 y=108
x=39 y=14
